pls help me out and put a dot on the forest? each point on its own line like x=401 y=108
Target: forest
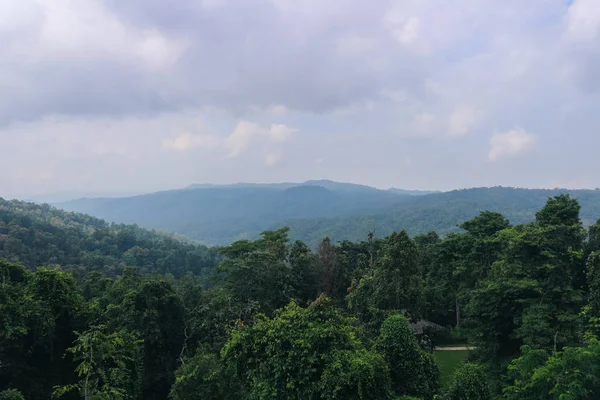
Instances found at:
x=92 y=310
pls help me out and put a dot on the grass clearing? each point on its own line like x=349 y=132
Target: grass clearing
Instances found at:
x=448 y=362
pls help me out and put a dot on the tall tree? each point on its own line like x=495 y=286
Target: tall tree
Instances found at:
x=306 y=353
x=413 y=372
x=395 y=283
x=109 y=365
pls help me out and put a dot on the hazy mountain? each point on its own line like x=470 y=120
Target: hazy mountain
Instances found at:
x=220 y=214
x=440 y=212
x=314 y=209
x=59 y=197
x=413 y=192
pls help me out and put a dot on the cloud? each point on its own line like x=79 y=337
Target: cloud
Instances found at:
x=462 y=120
x=272 y=159
x=189 y=141
x=246 y=132
x=510 y=144
x=100 y=91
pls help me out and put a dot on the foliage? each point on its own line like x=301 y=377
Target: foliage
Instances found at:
x=308 y=353
x=11 y=394
x=573 y=373
x=109 y=365
x=35 y=235
x=533 y=293
x=412 y=371
x=469 y=383
x=205 y=377
x=129 y=313
x=394 y=284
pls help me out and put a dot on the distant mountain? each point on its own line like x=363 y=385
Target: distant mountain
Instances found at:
x=218 y=215
x=282 y=185
x=327 y=184
x=58 y=197
x=440 y=212
x=221 y=214
x=413 y=192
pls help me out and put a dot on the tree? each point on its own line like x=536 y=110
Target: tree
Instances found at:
x=413 y=372
x=305 y=353
x=395 y=284
x=328 y=259
x=573 y=373
x=486 y=224
x=109 y=365
x=533 y=294
x=11 y=394
x=156 y=312
x=593 y=283
x=38 y=314
x=256 y=273
x=470 y=382
x=304 y=272
x=205 y=377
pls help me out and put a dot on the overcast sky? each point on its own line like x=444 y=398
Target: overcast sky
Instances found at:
x=143 y=95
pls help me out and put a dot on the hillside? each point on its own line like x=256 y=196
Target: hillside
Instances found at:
x=222 y=214
x=39 y=235
x=441 y=212
x=218 y=215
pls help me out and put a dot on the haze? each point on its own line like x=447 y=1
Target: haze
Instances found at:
x=143 y=95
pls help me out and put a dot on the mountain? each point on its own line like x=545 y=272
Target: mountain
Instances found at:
x=440 y=212
x=413 y=192
x=327 y=184
x=39 y=235
x=65 y=196
x=220 y=214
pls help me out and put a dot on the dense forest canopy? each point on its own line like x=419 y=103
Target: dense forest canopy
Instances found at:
x=34 y=235
x=96 y=311
x=219 y=215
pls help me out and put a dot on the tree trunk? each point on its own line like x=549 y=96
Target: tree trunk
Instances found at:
x=457 y=314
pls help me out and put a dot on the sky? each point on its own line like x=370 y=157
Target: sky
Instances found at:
x=144 y=95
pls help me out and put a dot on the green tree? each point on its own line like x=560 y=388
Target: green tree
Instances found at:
x=532 y=295
x=593 y=283
x=470 y=382
x=306 y=353
x=304 y=272
x=109 y=365
x=205 y=377
x=38 y=314
x=156 y=312
x=573 y=373
x=256 y=273
x=394 y=284
x=413 y=372
x=11 y=394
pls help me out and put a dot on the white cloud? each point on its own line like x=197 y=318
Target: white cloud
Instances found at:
x=510 y=143
x=462 y=120
x=189 y=141
x=246 y=132
x=407 y=33
x=280 y=132
x=70 y=26
x=583 y=20
x=361 y=79
x=241 y=136
x=271 y=159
